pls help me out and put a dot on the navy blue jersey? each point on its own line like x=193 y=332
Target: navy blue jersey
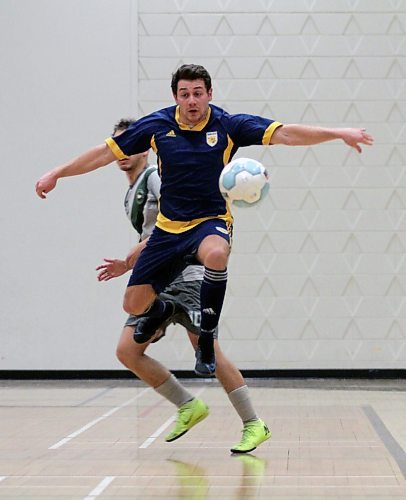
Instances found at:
x=190 y=159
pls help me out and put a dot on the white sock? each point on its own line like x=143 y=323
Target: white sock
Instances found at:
x=241 y=401
x=174 y=392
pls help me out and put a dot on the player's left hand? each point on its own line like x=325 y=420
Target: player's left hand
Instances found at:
x=355 y=136
x=112 y=268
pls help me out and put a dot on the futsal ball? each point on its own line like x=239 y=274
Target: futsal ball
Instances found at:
x=244 y=182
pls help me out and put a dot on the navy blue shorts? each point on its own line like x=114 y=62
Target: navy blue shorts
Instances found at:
x=163 y=258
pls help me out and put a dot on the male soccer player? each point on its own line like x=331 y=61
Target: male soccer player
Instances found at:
x=184 y=292
x=193 y=141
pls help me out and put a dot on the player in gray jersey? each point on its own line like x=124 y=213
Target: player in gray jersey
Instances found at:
x=183 y=293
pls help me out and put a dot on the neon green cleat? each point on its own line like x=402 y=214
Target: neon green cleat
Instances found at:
x=189 y=414
x=253 y=434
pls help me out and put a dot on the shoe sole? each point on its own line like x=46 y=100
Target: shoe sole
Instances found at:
x=202 y=417
x=205 y=374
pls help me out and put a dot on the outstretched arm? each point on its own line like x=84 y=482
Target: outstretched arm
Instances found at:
x=305 y=135
x=94 y=158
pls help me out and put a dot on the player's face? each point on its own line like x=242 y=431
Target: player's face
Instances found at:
x=133 y=161
x=193 y=100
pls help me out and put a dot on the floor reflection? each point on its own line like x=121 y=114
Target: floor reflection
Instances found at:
x=253 y=470
x=194 y=479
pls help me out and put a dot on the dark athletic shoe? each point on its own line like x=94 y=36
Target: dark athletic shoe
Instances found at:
x=146 y=327
x=205 y=366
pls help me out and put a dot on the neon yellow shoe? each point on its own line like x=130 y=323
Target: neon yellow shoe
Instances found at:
x=189 y=414
x=253 y=434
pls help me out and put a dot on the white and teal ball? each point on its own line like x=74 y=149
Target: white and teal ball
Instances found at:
x=244 y=182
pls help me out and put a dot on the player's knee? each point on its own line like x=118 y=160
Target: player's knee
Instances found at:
x=136 y=301
x=126 y=356
x=132 y=306
x=122 y=355
x=216 y=258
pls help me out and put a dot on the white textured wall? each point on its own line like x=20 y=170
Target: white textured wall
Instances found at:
x=317 y=274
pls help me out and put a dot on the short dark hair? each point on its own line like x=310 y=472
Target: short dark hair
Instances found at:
x=190 y=72
x=123 y=124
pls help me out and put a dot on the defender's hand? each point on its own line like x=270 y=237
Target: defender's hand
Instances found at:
x=113 y=268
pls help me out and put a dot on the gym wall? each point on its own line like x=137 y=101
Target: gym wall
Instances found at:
x=317 y=272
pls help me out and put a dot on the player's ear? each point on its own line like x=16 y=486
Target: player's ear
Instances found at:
x=210 y=94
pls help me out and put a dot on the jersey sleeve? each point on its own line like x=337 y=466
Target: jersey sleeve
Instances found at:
x=252 y=130
x=136 y=139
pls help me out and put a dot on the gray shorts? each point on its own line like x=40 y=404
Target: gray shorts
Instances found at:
x=186 y=297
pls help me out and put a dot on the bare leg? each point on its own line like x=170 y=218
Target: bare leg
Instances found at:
x=213 y=252
x=138 y=298
x=133 y=357
x=227 y=373
x=191 y=410
x=255 y=430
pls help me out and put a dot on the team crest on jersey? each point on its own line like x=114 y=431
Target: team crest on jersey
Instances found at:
x=211 y=138
x=140 y=194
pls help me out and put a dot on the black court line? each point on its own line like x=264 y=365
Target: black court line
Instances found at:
x=388 y=440
x=368 y=374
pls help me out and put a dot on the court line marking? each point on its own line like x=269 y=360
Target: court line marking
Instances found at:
x=390 y=443
x=2 y=478
x=100 y=487
x=97 y=396
x=96 y=421
x=159 y=431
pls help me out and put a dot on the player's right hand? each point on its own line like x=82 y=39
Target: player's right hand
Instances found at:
x=45 y=184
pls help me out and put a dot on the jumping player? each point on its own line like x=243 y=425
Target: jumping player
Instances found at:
x=193 y=141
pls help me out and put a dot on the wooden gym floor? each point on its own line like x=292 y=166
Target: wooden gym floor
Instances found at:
x=105 y=439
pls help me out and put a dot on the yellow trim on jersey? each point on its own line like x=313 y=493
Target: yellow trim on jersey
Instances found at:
x=227 y=151
x=173 y=226
x=159 y=166
x=153 y=144
x=196 y=128
x=111 y=143
x=266 y=139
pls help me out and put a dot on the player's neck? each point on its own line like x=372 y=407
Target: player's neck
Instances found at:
x=132 y=175
x=186 y=123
